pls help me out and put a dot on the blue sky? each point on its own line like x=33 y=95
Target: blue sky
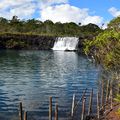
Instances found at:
x=100 y=7
x=83 y=11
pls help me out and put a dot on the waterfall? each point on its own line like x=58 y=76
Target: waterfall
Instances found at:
x=66 y=43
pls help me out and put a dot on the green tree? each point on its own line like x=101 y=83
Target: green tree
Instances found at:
x=32 y=26
x=106 y=51
x=115 y=24
x=4 y=24
x=90 y=28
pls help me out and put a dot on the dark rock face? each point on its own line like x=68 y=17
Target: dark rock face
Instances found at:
x=80 y=45
x=33 y=42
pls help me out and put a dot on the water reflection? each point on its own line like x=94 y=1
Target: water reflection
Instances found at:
x=33 y=76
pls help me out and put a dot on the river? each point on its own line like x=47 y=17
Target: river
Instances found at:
x=31 y=77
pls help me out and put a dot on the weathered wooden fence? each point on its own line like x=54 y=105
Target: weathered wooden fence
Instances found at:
x=104 y=104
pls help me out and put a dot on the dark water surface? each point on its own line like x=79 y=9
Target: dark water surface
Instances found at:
x=33 y=76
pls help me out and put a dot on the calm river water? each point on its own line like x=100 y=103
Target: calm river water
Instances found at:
x=33 y=76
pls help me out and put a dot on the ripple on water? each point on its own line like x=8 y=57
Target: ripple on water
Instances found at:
x=33 y=76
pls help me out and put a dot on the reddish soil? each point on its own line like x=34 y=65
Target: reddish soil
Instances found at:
x=114 y=115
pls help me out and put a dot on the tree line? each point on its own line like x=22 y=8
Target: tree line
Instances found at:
x=33 y=26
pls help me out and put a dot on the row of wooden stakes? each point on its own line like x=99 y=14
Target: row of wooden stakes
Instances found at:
x=24 y=116
x=104 y=99
x=100 y=105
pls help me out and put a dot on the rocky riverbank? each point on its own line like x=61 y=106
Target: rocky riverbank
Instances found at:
x=33 y=42
x=24 y=41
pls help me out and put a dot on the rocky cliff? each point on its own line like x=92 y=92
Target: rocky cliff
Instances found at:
x=34 y=42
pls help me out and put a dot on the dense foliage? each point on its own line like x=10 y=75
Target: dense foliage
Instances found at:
x=106 y=49
x=47 y=27
x=115 y=24
x=106 y=46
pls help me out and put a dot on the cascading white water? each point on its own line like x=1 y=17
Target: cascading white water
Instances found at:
x=66 y=43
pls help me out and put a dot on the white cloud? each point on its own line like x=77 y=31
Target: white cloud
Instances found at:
x=24 y=8
x=12 y=3
x=55 y=10
x=24 y=11
x=21 y=8
x=46 y=3
x=67 y=13
x=114 y=11
x=92 y=19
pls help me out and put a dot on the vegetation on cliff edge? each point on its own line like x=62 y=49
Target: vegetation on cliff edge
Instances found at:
x=106 y=51
x=32 y=26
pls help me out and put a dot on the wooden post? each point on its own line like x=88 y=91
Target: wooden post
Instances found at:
x=25 y=115
x=81 y=99
x=83 y=109
x=111 y=98
x=73 y=105
x=20 y=112
x=102 y=95
x=98 y=106
x=107 y=91
x=56 y=111
x=50 y=108
x=90 y=103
